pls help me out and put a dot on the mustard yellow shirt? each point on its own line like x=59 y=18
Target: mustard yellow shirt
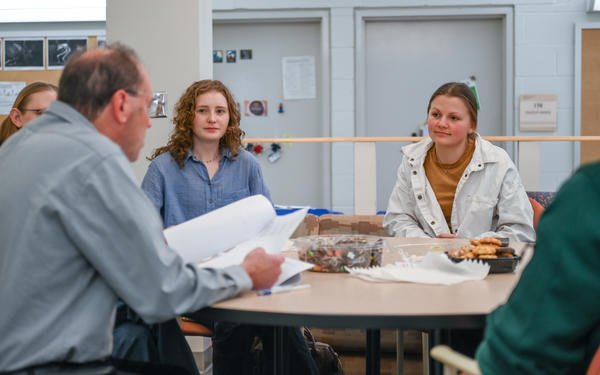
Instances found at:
x=444 y=177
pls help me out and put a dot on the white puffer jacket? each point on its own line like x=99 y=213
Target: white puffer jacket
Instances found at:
x=490 y=199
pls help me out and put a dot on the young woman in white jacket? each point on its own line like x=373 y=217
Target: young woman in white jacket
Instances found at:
x=457 y=184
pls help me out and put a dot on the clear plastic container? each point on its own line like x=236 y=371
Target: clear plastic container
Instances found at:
x=337 y=252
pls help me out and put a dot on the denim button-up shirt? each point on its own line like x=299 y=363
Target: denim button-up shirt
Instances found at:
x=490 y=199
x=181 y=194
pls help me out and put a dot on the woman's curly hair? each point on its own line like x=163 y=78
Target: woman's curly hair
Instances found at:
x=180 y=141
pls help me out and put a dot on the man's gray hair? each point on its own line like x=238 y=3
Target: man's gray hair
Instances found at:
x=88 y=82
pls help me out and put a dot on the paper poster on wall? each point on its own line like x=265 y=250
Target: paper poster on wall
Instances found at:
x=60 y=49
x=299 y=77
x=24 y=54
x=255 y=108
x=8 y=95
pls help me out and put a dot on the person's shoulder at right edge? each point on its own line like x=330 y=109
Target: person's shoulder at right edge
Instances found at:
x=551 y=322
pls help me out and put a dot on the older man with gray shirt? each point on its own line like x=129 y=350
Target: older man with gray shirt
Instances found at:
x=78 y=233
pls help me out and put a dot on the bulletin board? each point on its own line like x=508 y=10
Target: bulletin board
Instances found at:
x=48 y=75
x=251 y=58
x=590 y=93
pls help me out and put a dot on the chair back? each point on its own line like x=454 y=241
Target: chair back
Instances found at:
x=542 y=197
x=538 y=210
x=594 y=368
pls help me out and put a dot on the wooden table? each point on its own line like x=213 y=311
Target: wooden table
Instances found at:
x=340 y=300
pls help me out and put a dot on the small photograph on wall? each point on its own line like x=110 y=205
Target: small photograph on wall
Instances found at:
x=158 y=106
x=23 y=54
x=255 y=107
x=59 y=50
x=245 y=54
x=100 y=42
x=231 y=55
x=218 y=56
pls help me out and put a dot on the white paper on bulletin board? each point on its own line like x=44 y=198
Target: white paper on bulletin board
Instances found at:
x=8 y=94
x=299 y=78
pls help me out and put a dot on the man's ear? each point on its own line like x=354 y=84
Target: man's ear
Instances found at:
x=120 y=105
x=17 y=117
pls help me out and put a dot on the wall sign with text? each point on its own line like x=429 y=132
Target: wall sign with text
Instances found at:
x=537 y=112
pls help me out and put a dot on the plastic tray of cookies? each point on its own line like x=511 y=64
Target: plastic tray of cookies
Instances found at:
x=338 y=252
x=490 y=250
x=497 y=265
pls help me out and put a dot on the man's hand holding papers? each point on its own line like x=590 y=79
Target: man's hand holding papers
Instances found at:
x=264 y=269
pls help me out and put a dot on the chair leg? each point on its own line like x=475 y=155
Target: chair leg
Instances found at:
x=425 y=349
x=399 y=352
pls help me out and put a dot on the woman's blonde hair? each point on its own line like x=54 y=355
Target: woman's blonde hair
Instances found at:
x=185 y=110
x=8 y=127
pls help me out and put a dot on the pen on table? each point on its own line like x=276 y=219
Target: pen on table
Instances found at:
x=281 y=289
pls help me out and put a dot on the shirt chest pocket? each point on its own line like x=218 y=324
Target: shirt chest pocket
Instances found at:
x=482 y=208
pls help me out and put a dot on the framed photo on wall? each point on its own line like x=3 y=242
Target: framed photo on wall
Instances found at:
x=245 y=54
x=60 y=49
x=23 y=54
x=231 y=55
x=218 y=56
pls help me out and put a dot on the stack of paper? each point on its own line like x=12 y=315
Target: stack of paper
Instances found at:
x=435 y=268
x=231 y=232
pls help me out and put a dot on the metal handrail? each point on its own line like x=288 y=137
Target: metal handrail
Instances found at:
x=499 y=138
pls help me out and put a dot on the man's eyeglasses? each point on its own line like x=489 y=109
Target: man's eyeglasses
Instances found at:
x=37 y=111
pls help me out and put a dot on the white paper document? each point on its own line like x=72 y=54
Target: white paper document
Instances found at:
x=299 y=77
x=239 y=228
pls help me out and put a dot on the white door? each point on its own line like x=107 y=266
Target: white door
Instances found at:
x=406 y=61
x=297 y=177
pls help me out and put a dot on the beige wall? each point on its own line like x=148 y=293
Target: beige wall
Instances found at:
x=173 y=41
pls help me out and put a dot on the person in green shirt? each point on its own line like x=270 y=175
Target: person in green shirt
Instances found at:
x=551 y=322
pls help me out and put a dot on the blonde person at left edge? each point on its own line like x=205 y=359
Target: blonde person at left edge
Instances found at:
x=456 y=184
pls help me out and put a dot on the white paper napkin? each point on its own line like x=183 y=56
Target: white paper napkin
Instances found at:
x=435 y=268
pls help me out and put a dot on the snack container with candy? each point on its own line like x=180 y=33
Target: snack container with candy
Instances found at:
x=337 y=252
